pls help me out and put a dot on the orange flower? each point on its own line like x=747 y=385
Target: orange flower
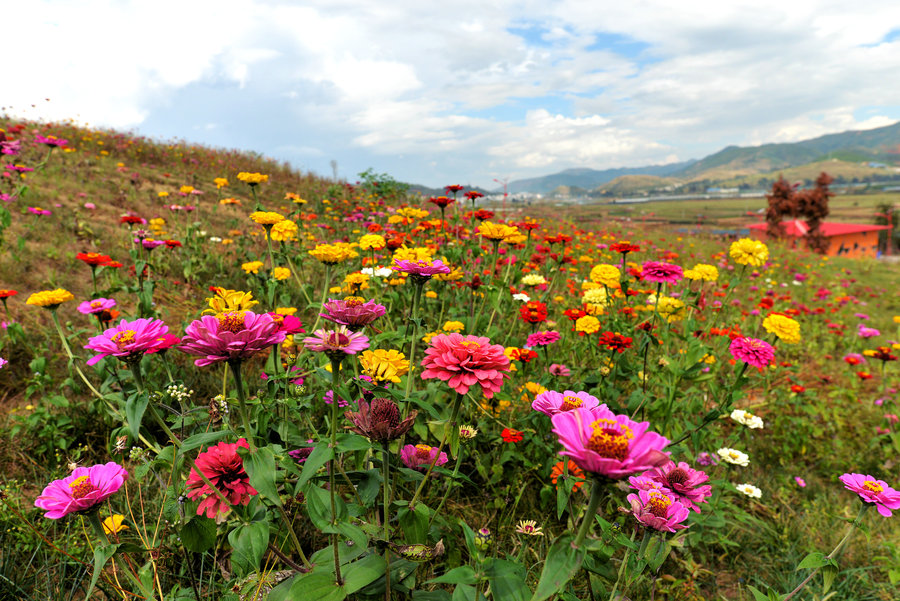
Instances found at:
x=574 y=472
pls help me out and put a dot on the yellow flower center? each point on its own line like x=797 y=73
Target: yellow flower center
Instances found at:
x=569 y=403
x=659 y=504
x=95 y=304
x=471 y=345
x=423 y=451
x=872 y=486
x=123 y=338
x=81 y=487
x=610 y=439
x=231 y=321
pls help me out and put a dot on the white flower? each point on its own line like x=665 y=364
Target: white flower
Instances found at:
x=381 y=272
x=215 y=239
x=521 y=296
x=748 y=419
x=749 y=490
x=734 y=456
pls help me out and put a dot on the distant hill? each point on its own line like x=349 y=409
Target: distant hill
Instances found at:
x=588 y=178
x=631 y=184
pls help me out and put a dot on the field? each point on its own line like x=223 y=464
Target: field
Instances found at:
x=222 y=379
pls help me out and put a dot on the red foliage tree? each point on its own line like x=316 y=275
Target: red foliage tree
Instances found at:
x=812 y=204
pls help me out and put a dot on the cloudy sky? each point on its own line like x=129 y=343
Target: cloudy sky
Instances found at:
x=459 y=91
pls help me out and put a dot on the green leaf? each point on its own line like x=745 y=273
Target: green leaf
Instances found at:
x=464 y=592
x=828 y=574
x=316 y=586
x=318 y=506
x=814 y=560
x=470 y=540
x=199 y=440
x=351 y=442
x=260 y=466
x=363 y=572
x=102 y=553
x=438 y=595
x=757 y=594
x=134 y=412
x=563 y=490
x=199 y=534
x=460 y=575
x=320 y=455
x=414 y=523
x=248 y=542
x=562 y=563
x=369 y=486
x=507 y=580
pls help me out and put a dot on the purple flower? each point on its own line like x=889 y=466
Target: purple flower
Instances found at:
x=98 y=305
x=661 y=273
x=39 y=211
x=683 y=482
x=149 y=244
x=128 y=341
x=352 y=313
x=752 y=351
x=230 y=336
x=658 y=510
x=3 y=362
x=420 y=456
x=705 y=459
x=336 y=342
x=542 y=338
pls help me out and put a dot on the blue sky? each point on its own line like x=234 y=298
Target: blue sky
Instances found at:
x=460 y=91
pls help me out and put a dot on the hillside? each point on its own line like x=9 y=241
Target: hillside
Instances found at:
x=589 y=178
x=633 y=184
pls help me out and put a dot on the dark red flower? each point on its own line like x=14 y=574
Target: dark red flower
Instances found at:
x=224 y=468
x=624 y=247
x=510 y=435
x=441 y=201
x=454 y=189
x=472 y=195
x=615 y=341
x=533 y=312
x=483 y=215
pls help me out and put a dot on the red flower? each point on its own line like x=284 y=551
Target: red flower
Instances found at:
x=558 y=239
x=797 y=389
x=510 y=435
x=132 y=220
x=466 y=361
x=863 y=375
x=574 y=314
x=526 y=226
x=8 y=293
x=441 y=201
x=624 y=248
x=173 y=243
x=472 y=195
x=374 y=228
x=93 y=259
x=115 y=264
x=533 y=312
x=225 y=470
x=523 y=354
x=483 y=215
x=614 y=341
x=454 y=189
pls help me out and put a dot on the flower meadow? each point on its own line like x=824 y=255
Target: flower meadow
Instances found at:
x=226 y=380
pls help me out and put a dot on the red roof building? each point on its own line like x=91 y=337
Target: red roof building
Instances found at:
x=844 y=239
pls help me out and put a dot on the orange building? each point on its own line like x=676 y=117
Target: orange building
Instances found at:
x=844 y=239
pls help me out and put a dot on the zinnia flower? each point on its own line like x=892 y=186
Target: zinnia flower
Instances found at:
x=658 y=510
x=752 y=351
x=529 y=527
x=83 y=490
x=661 y=273
x=224 y=468
x=283 y=231
x=551 y=402
x=230 y=336
x=542 y=338
x=50 y=299
x=749 y=490
x=871 y=490
x=128 y=341
x=753 y=422
x=734 y=456
x=683 y=482
x=466 y=361
x=607 y=275
x=419 y=457
x=384 y=365
x=510 y=435
x=559 y=370
x=380 y=421
x=787 y=329
x=353 y=312
x=98 y=305
x=747 y=251
x=337 y=342
x=420 y=270
x=601 y=442
x=575 y=474
x=229 y=300
x=252 y=179
x=114 y=524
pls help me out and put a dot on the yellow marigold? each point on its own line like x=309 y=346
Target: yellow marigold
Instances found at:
x=787 y=329
x=372 y=242
x=596 y=296
x=533 y=279
x=497 y=231
x=284 y=230
x=162 y=193
x=454 y=326
x=455 y=274
x=354 y=282
x=50 y=298
x=113 y=524
x=418 y=253
x=606 y=275
x=530 y=391
x=220 y=182
x=672 y=309
x=230 y=201
x=747 y=251
x=430 y=294
x=332 y=254
x=285 y=310
x=252 y=179
x=229 y=300
x=587 y=324
x=266 y=217
x=186 y=189
x=252 y=266
x=384 y=365
x=281 y=273
x=413 y=213
x=702 y=271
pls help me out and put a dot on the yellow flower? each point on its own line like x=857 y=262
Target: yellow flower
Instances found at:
x=413 y=213
x=596 y=296
x=354 y=282
x=606 y=275
x=787 y=329
x=896 y=318
x=418 y=253
x=252 y=266
x=384 y=365
x=252 y=179
x=498 y=232
x=332 y=254
x=587 y=324
x=230 y=201
x=186 y=189
x=220 y=182
x=294 y=197
x=455 y=274
x=285 y=310
x=266 y=217
x=284 y=230
x=372 y=242
x=747 y=251
x=671 y=308
x=50 y=299
x=531 y=390
x=431 y=294
x=162 y=193
x=454 y=326
x=281 y=273
x=229 y=300
x=113 y=524
x=701 y=271
x=533 y=279
x=396 y=219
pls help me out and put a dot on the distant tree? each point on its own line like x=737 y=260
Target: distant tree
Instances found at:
x=811 y=204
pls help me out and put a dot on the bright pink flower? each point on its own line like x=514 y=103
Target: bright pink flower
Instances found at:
x=288 y=323
x=560 y=370
x=82 y=490
x=98 y=305
x=420 y=269
x=552 y=402
x=224 y=468
x=800 y=481
x=166 y=342
x=464 y=361
x=604 y=443
x=51 y=141
x=230 y=336
x=752 y=351
x=874 y=491
x=128 y=340
x=336 y=342
x=420 y=456
x=542 y=338
x=658 y=510
x=351 y=313
x=661 y=273
x=683 y=482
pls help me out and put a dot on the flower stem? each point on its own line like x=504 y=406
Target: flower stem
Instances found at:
x=324 y=295
x=335 y=380
x=242 y=402
x=589 y=514
x=68 y=350
x=386 y=481
x=450 y=425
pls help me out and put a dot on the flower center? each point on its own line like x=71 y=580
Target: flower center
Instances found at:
x=123 y=338
x=96 y=304
x=659 y=504
x=81 y=487
x=423 y=451
x=872 y=486
x=471 y=345
x=569 y=403
x=338 y=340
x=354 y=301
x=231 y=321
x=677 y=476
x=610 y=439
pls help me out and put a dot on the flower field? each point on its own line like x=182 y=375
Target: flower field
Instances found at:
x=222 y=379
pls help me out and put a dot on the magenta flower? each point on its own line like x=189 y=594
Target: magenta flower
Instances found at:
x=166 y=342
x=352 y=313
x=683 y=482
x=661 y=273
x=542 y=338
x=38 y=211
x=230 y=336
x=752 y=351
x=559 y=370
x=84 y=489
x=337 y=342
x=867 y=332
x=552 y=402
x=601 y=442
x=423 y=270
x=128 y=341
x=288 y=323
x=800 y=481
x=10 y=147
x=466 y=361
x=874 y=491
x=658 y=510
x=420 y=456
x=51 y=141
x=149 y=244
x=98 y=305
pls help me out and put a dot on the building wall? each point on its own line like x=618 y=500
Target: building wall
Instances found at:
x=855 y=245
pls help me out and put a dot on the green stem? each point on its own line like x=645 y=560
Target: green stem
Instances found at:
x=386 y=481
x=589 y=514
x=450 y=485
x=324 y=295
x=68 y=350
x=450 y=426
x=335 y=379
x=296 y=277
x=290 y=528
x=235 y=365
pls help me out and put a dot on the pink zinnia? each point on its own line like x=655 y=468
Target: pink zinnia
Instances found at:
x=464 y=361
x=752 y=351
x=867 y=332
x=874 y=491
x=560 y=370
x=658 y=510
x=82 y=490
x=128 y=340
x=420 y=456
x=51 y=141
x=601 y=442
x=166 y=342
x=661 y=273
x=542 y=338
x=552 y=402
x=337 y=342
x=352 y=313
x=683 y=482
x=98 y=305
x=288 y=323
x=230 y=336
x=224 y=468
x=423 y=270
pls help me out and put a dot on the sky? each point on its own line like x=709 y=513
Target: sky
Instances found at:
x=458 y=91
